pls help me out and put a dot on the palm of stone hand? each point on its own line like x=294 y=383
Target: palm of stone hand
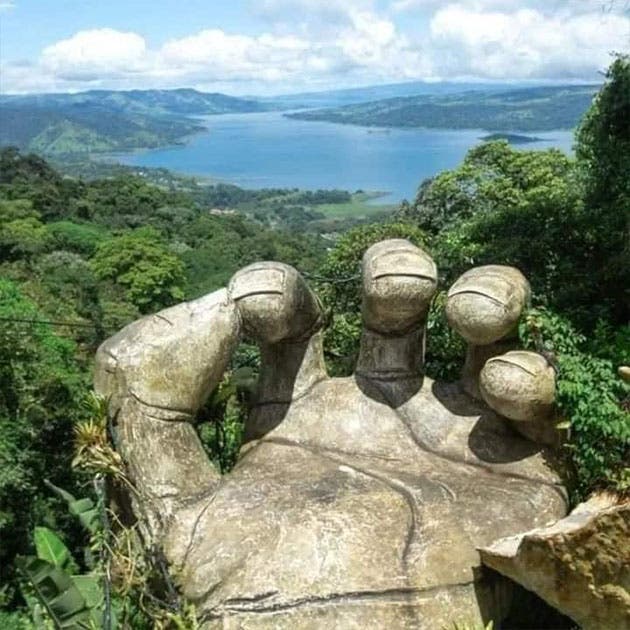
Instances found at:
x=359 y=501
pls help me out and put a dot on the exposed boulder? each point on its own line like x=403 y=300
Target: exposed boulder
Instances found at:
x=579 y=565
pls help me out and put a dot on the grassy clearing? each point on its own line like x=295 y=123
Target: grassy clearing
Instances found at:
x=360 y=206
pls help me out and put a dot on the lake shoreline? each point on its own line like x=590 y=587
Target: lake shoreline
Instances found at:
x=270 y=150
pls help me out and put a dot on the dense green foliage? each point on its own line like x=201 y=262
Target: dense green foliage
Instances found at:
x=589 y=396
x=526 y=109
x=140 y=263
x=603 y=152
x=40 y=399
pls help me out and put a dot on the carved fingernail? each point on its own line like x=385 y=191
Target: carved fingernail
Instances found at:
x=519 y=385
x=485 y=303
x=399 y=280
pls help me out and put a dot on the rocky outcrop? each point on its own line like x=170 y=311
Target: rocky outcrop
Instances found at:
x=580 y=565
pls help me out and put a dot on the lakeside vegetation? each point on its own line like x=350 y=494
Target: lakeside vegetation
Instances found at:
x=512 y=138
x=523 y=109
x=81 y=257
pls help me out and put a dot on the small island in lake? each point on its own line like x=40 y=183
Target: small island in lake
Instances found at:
x=512 y=138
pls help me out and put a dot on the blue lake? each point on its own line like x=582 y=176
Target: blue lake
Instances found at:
x=269 y=150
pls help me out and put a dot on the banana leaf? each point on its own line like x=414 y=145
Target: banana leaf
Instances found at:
x=57 y=593
x=84 y=509
x=51 y=548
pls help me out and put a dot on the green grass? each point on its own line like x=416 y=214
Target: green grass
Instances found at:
x=358 y=207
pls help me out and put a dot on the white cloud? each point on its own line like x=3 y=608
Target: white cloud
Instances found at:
x=7 y=5
x=96 y=53
x=374 y=45
x=524 y=44
x=311 y=43
x=215 y=55
x=575 y=6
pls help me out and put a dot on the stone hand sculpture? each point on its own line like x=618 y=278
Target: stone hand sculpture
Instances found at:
x=357 y=502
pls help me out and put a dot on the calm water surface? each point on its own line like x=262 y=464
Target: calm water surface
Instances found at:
x=268 y=150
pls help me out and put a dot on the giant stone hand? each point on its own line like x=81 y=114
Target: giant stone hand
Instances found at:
x=357 y=502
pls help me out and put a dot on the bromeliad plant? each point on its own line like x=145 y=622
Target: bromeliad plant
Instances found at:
x=118 y=588
x=57 y=595
x=94 y=453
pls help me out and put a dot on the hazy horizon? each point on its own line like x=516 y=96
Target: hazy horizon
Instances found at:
x=468 y=83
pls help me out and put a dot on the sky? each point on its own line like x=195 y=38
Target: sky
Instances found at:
x=286 y=46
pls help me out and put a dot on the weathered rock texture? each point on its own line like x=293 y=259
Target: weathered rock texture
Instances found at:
x=357 y=502
x=580 y=565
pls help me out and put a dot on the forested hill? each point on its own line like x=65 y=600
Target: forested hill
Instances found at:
x=525 y=109
x=87 y=129
x=103 y=121
x=151 y=102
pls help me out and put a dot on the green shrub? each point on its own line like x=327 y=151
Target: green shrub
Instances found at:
x=40 y=394
x=445 y=349
x=590 y=397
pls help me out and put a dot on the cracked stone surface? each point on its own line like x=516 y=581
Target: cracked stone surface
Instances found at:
x=356 y=502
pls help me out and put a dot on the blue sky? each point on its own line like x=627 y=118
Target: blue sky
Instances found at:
x=281 y=46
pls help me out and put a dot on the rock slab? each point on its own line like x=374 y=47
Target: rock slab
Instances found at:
x=579 y=565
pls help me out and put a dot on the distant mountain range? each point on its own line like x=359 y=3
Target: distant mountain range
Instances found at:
x=184 y=101
x=99 y=121
x=106 y=120
x=353 y=96
x=523 y=109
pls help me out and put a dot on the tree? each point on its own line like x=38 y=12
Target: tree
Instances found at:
x=603 y=152
x=82 y=238
x=526 y=209
x=41 y=390
x=71 y=289
x=139 y=262
x=493 y=176
x=22 y=234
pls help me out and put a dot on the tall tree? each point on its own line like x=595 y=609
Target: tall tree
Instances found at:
x=603 y=153
x=140 y=263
